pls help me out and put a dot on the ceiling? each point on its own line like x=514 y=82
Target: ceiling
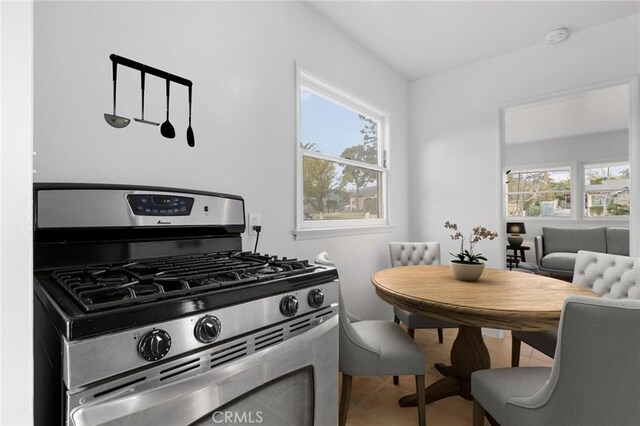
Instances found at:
x=422 y=38
x=589 y=112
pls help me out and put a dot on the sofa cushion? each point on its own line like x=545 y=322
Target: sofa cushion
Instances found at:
x=570 y=240
x=559 y=261
x=617 y=241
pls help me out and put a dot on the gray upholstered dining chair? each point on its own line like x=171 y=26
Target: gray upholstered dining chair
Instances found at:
x=408 y=253
x=375 y=348
x=403 y=254
x=594 y=379
x=610 y=276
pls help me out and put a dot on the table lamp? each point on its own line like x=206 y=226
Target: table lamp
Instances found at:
x=515 y=229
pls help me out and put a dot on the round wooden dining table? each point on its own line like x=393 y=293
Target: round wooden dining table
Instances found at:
x=499 y=299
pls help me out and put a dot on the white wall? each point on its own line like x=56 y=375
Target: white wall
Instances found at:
x=16 y=136
x=455 y=132
x=240 y=57
x=594 y=147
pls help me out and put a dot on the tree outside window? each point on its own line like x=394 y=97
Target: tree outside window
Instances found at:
x=539 y=193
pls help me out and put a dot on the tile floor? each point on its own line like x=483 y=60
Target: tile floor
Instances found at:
x=374 y=400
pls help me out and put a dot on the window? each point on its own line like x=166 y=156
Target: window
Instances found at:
x=606 y=190
x=539 y=193
x=341 y=158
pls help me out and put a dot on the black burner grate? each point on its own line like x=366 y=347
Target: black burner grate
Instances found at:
x=110 y=286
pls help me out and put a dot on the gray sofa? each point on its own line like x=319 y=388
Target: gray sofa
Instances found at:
x=556 y=248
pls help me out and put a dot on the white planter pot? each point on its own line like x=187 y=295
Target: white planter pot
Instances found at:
x=466 y=271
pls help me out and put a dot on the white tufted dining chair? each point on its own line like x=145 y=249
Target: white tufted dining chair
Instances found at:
x=594 y=378
x=375 y=348
x=608 y=275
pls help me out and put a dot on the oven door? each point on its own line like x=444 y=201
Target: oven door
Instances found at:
x=291 y=383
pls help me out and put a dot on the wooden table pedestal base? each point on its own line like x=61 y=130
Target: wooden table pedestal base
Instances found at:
x=468 y=354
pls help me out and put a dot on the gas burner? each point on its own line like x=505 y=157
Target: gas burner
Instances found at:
x=110 y=286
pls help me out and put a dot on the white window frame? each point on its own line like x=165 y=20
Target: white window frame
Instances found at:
x=571 y=166
x=342 y=97
x=583 y=190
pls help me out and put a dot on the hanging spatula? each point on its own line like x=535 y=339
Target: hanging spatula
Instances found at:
x=142 y=120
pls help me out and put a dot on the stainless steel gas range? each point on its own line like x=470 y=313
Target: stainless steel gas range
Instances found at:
x=148 y=312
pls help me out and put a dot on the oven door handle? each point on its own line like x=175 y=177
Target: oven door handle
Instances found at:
x=187 y=400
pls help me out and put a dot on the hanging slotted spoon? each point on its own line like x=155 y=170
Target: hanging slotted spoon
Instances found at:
x=113 y=119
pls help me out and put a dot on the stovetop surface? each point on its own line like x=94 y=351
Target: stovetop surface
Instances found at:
x=112 y=286
x=89 y=300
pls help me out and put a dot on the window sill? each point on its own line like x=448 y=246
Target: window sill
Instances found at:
x=607 y=218
x=540 y=218
x=567 y=218
x=308 y=234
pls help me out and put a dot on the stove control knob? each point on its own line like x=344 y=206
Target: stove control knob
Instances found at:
x=315 y=298
x=207 y=329
x=154 y=345
x=289 y=306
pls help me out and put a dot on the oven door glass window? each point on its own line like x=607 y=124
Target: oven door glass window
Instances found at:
x=291 y=397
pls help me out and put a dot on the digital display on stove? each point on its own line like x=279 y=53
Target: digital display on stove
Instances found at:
x=162 y=201
x=160 y=205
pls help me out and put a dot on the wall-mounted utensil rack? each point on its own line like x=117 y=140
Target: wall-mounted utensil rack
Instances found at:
x=149 y=70
x=166 y=128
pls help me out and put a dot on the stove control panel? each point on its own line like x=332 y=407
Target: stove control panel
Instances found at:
x=154 y=345
x=114 y=353
x=108 y=206
x=160 y=205
x=207 y=329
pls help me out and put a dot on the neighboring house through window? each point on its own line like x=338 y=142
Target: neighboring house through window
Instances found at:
x=342 y=158
x=606 y=190
x=547 y=192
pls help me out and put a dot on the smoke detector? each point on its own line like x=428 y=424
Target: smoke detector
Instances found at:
x=557 y=36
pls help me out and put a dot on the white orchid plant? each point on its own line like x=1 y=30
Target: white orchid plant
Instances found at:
x=478 y=234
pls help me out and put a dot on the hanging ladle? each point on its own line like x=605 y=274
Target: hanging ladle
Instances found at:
x=142 y=120
x=167 y=129
x=190 y=139
x=113 y=119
